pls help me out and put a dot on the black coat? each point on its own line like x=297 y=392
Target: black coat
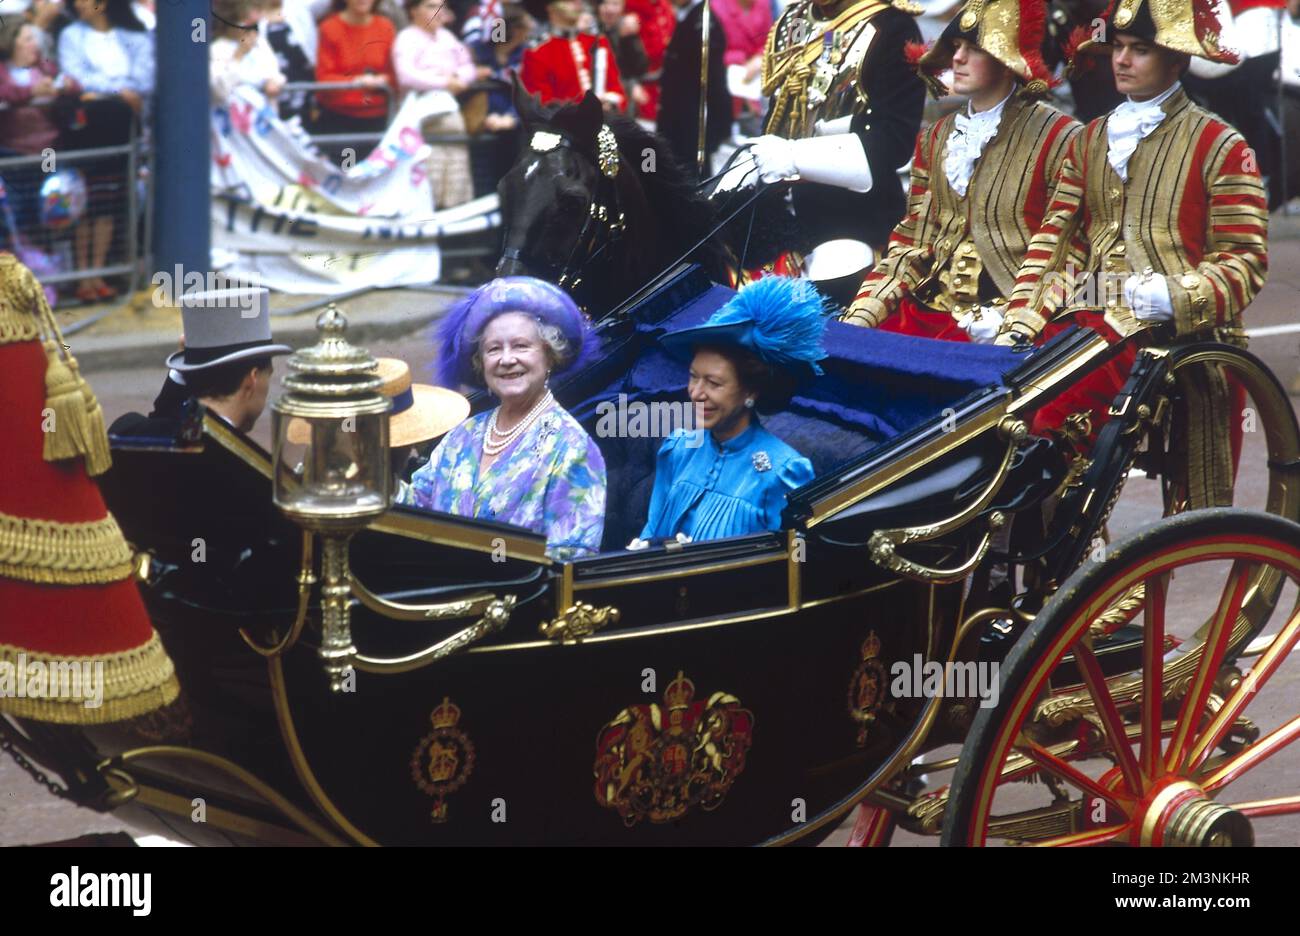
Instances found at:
x=176 y=417
x=887 y=127
x=679 y=100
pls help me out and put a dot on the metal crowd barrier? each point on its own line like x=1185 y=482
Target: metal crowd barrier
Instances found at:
x=131 y=222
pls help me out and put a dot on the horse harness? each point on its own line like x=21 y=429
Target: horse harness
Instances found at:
x=604 y=222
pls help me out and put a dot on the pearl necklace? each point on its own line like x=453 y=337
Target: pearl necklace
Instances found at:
x=495 y=442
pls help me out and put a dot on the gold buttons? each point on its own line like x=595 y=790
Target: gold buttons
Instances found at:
x=1189 y=281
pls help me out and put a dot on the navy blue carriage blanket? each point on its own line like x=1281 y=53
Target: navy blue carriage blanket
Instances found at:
x=876 y=385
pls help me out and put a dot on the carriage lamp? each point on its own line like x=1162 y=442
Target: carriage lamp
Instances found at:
x=331 y=466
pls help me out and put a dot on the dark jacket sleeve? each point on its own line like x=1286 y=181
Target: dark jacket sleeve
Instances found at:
x=680 y=89
x=632 y=60
x=887 y=123
x=170 y=400
x=895 y=97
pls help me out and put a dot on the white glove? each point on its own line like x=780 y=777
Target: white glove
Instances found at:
x=775 y=158
x=982 y=324
x=638 y=543
x=742 y=173
x=1148 y=296
x=835 y=159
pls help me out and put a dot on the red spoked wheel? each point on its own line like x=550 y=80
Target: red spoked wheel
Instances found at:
x=1139 y=747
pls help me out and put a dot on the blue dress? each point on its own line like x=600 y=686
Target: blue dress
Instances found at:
x=709 y=490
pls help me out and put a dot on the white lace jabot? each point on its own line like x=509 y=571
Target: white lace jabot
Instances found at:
x=971 y=132
x=1129 y=124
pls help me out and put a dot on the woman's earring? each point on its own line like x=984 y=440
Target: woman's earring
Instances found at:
x=749 y=402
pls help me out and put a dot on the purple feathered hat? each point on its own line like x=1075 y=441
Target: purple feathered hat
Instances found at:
x=544 y=301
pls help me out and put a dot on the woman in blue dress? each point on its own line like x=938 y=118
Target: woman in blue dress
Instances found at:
x=730 y=476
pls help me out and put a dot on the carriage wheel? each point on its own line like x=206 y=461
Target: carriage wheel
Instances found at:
x=1264 y=430
x=1079 y=749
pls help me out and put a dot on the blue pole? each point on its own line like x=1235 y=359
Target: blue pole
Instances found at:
x=181 y=158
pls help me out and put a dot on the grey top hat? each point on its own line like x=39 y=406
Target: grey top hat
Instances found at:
x=225 y=325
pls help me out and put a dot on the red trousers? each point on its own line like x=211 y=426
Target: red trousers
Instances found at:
x=912 y=319
x=1094 y=392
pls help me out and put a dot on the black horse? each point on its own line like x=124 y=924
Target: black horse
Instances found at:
x=598 y=205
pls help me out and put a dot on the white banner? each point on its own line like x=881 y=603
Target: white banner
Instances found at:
x=300 y=224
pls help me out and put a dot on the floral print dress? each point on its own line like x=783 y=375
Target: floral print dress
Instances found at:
x=551 y=480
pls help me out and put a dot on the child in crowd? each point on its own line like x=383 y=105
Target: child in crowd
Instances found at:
x=427 y=56
x=494 y=151
x=239 y=54
x=290 y=54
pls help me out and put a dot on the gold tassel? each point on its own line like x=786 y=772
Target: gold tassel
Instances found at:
x=78 y=421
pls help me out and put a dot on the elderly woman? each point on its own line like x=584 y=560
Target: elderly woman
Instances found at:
x=527 y=462
x=747 y=359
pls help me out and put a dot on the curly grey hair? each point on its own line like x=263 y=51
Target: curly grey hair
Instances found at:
x=558 y=348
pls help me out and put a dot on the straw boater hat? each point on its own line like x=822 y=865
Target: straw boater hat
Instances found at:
x=223 y=326
x=420 y=411
x=1011 y=31
x=1188 y=26
x=66 y=589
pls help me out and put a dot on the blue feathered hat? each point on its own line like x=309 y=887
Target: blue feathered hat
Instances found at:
x=544 y=301
x=778 y=318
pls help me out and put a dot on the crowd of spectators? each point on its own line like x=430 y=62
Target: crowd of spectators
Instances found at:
x=75 y=77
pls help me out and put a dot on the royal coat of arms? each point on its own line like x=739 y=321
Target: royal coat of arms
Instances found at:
x=657 y=763
x=867 y=688
x=444 y=758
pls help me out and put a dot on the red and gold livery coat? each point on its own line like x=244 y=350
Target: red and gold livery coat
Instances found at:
x=1193 y=209
x=938 y=251
x=554 y=69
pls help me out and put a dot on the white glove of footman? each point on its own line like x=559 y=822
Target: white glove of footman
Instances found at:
x=982 y=324
x=1148 y=296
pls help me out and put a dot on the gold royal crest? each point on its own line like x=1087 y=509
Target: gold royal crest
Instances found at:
x=444 y=759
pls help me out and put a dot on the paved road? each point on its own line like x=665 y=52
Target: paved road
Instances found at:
x=29 y=814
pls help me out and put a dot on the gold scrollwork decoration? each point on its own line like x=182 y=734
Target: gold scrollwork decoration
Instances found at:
x=579 y=621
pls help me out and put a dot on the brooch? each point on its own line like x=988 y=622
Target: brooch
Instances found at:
x=762 y=462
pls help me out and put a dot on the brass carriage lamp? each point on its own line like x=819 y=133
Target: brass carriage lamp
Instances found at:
x=331 y=465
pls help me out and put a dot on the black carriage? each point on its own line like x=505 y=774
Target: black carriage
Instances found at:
x=749 y=690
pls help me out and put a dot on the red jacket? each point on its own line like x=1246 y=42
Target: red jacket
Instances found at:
x=347 y=52
x=1193 y=210
x=657 y=24
x=551 y=70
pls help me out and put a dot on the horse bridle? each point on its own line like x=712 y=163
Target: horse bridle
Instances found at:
x=604 y=222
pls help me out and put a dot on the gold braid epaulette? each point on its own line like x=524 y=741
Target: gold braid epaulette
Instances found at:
x=52 y=553
x=786 y=71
